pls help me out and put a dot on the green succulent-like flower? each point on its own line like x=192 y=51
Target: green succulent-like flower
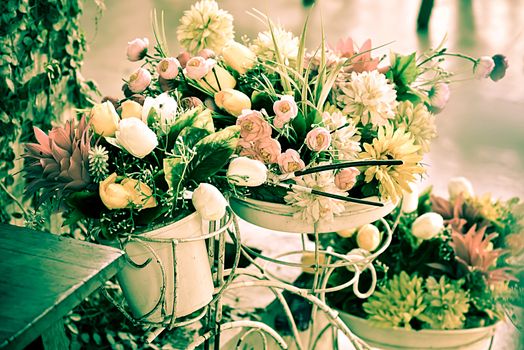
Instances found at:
x=98 y=167
x=397 y=303
x=447 y=303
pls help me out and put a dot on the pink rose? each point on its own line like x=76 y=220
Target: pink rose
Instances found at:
x=197 y=67
x=346 y=178
x=247 y=149
x=139 y=80
x=137 y=49
x=253 y=126
x=290 y=161
x=285 y=109
x=168 y=68
x=268 y=150
x=318 y=139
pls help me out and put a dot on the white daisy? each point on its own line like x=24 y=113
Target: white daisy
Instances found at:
x=312 y=208
x=367 y=98
x=287 y=44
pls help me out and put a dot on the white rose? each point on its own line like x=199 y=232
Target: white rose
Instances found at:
x=165 y=107
x=104 y=119
x=233 y=101
x=368 y=237
x=209 y=202
x=460 y=186
x=238 y=57
x=427 y=225
x=243 y=171
x=135 y=137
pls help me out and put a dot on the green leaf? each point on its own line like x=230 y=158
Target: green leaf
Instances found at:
x=212 y=153
x=188 y=118
x=192 y=135
x=403 y=69
x=173 y=171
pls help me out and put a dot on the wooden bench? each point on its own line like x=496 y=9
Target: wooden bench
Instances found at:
x=42 y=278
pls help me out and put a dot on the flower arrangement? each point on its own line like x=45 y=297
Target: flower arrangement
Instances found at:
x=452 y=264
x=364 y=123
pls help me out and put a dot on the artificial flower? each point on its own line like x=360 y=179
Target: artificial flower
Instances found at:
x=139 y=80
x=239 y=57
x=131 y=109
x=205 y=25
x=427 y=226
x=168 y=68
x=460 y=186
x=243 y=171
x=104 y=119
x=360 y=60
x=165 y=108
x=233 y=101
x=368 y=237
x=438 y=96
x=290 y=161
x=98 y=163
x=135 y=137
x=410 y=198
x=392 y=144
x=268 y=150
x=346 y=178
x=418 y=121
x=287 y=43
x=253 y=126
x=137 y=49
x=310 y=207
x=285 y=110
x=209 y=202
x=368 y=98
x=197 y=67
x=218 y=79
x=318 y=139
x=483 y=67
x=127 y=193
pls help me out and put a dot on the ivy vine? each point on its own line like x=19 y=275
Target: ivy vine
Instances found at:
x=42 y=53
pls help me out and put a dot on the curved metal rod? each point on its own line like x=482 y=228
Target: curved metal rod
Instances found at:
x=240 y=324
x=332 y=314
x=258 y=331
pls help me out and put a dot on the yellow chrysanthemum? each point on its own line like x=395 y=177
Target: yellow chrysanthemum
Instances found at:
x=205 y=26
x=418 y=121
x=393 y=143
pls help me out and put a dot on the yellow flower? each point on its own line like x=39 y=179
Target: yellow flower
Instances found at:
x=393 y=144
x=205 y=26
x=418 y=121
x=128 y=193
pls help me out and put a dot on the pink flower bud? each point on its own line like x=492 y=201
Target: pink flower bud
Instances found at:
x=253 y=126
x=207 y=53
x=139 y=80
x=197 y=67
x=183 y=57
x=268 y=150
x=285 y=109
x=318 y=139
x=290 y=161
x=346 y=178
x=168 y=68
x=483 y=67
x=439 y=96
x=137 y=49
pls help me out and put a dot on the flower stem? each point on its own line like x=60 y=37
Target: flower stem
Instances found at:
x=348 y=164
x=469 y=58
x=17 y=202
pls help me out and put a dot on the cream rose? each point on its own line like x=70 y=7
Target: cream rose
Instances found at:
x=209 y=202
x=368 y=237
x=427 y=225
x=131 y=109
x=243 y=171
x=233 y=101
x=129 y=192
x=104 y=119
x=238 y=57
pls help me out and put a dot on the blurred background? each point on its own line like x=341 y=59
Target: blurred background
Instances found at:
x=481 y=132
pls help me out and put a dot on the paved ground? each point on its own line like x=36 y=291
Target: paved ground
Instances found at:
x=482 y=129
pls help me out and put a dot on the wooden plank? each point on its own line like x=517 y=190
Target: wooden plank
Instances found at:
x=43 y=277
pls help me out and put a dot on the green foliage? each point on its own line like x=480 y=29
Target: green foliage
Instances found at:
x=398 y=303
x=42 y=53
x=447 y=303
